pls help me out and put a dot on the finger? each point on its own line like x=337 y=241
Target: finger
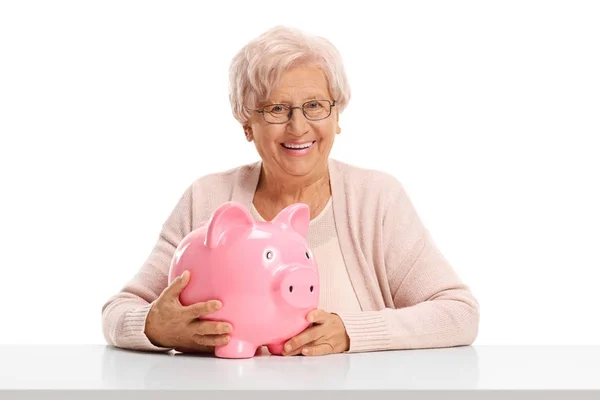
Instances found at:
x=176 y=287
x=307 y=336
x=202 y=308
x=298 y=351
x=210 y=327
x=317 y=316
x=318 y=349
x=211 y=340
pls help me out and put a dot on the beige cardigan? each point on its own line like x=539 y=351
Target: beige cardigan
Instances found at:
x=409 y=295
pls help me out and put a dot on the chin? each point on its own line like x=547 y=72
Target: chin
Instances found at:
x=299 y=171
x=299 y=167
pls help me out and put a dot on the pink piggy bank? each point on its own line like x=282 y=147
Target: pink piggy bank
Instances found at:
x=263 y=273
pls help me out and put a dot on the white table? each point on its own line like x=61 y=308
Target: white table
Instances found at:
x=479 y=372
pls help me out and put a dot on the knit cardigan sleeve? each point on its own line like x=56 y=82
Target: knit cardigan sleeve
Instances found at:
x=432 y=307
x=124 y=314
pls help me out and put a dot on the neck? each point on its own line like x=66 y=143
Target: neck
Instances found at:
x=294 y=189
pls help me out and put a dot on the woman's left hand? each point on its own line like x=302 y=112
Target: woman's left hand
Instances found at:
x=327 y=335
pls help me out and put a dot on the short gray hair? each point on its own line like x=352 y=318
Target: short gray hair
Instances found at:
x=257 y=68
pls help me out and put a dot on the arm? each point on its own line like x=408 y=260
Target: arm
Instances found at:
x=433 y=308
x=124 y=314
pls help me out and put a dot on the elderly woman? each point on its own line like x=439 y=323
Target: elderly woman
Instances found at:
x=384 y=283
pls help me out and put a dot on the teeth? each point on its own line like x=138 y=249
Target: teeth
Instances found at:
x=297 y=146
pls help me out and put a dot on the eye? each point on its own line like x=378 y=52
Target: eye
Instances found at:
x=277 y=109
x=269 y=255
x=307 y=255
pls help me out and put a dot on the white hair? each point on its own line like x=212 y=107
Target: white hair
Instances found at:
x=257 y=68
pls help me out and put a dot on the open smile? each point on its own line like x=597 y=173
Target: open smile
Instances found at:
x=298 y=149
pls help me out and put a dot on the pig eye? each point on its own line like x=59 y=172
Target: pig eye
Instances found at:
x=269 y=255
x=307 y=255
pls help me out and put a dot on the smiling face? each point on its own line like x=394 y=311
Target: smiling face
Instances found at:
x=274 y=141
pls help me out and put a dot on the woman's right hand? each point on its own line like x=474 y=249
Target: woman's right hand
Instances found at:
x=169 y=324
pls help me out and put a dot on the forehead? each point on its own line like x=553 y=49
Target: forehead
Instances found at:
x=300 y=84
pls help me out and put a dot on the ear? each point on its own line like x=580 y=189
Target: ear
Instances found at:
x=227 y=216
x=296 y=216
x=337 y=121
x=248 y=133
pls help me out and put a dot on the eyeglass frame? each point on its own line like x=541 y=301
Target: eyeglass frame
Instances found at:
x=289 y=117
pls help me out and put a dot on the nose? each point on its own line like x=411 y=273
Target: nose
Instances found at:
x=300 y=287
x=298 y=124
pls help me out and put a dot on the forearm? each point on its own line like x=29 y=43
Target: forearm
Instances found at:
x=430 y=324
x=124 y=314
x=124 y=322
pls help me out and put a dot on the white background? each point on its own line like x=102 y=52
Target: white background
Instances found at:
x=487 y=112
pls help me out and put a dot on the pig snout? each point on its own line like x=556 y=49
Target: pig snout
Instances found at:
x=300 y=287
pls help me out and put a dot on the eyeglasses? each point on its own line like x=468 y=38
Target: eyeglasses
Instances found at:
x=313 y=110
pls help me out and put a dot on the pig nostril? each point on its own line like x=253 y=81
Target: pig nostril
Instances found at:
x=311 y=288
x=291 y=288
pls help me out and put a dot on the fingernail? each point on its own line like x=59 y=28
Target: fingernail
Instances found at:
x=305 y=351
x=287 y=347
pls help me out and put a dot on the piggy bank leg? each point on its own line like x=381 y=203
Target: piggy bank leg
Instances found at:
x=236 y=348
x=275 y=348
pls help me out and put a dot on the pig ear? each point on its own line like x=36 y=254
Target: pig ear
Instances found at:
x=225 y=217
x=296 y=216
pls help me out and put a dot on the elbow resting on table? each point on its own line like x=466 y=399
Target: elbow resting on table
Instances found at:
x=471 y=327
x=110 y=323
x=468 y=323
x=462 y=312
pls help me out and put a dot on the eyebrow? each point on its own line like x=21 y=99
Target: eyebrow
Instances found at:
x=286 y=101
